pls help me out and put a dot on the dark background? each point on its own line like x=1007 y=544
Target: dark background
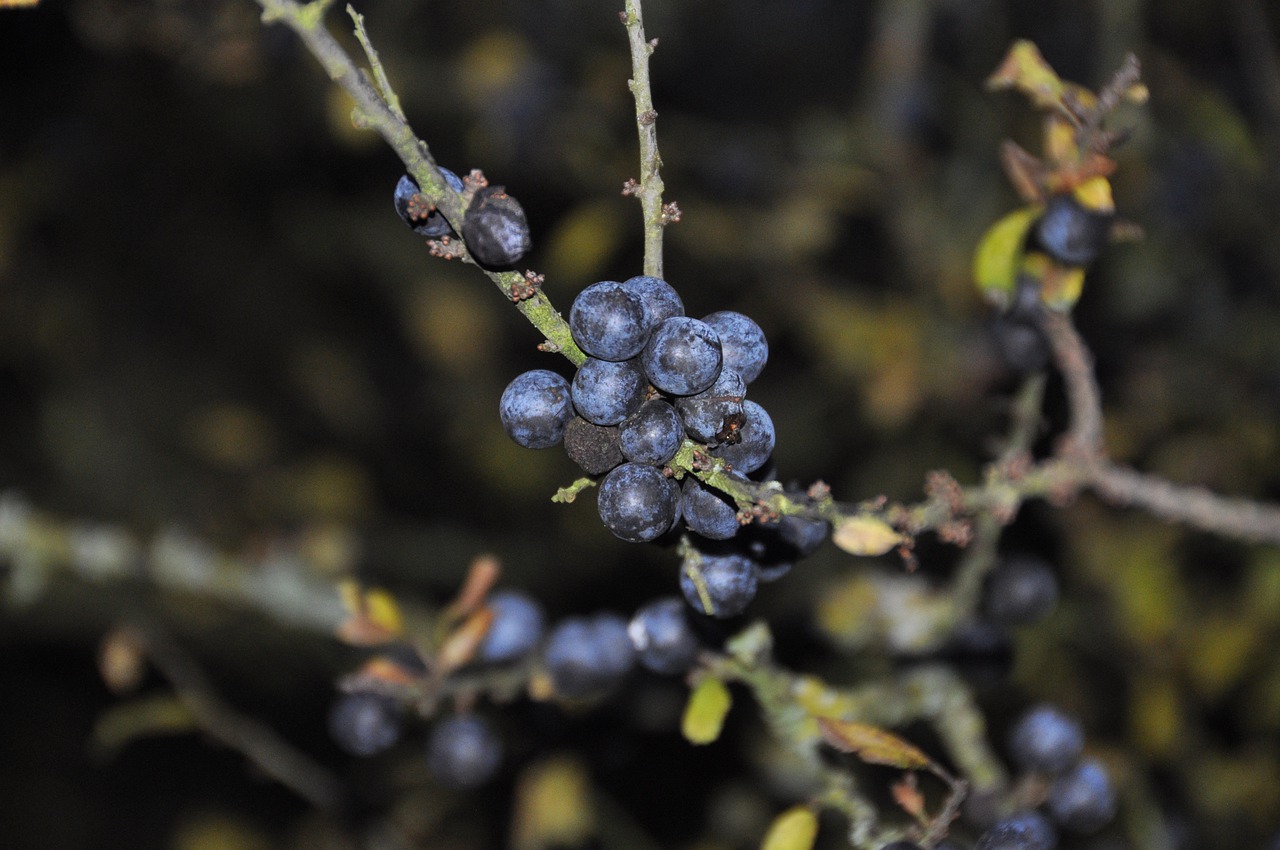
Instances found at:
x=211 y=319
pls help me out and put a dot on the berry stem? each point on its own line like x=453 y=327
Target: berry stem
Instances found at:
x=650 y=186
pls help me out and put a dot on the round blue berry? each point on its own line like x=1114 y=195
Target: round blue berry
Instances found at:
x=364 y=724
x=1022 y=831
x=1083 y=799
x=682 y=356
x=652 y=434
x=707 y=511
x=755 y=443
x=463 y=751
x=638 y=503
x=659 y=297
x=535 y=407
x=605 y=392
x=1020 y=591
x=742 y=341
x=588 y=657
x=433 y=225
x=664 y=640
x=609 y=321
x=712 y=415
x=515 y=629
x=730 y=582
x=1071 y=234
x=1046 y=740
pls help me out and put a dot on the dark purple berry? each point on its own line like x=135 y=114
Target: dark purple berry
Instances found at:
x=1046 y=740
x=1022 y=831
x=742 y=341
x=463 y=751
x=652 y=434
x=713 y=416
x=588 y=657
x=1071 y=234
x=707 y=511
x=605 y=392
x=535 y=408
x=664 y=640
x=638 y=503
x=515 y=629
x=1020 y=591
x=755 y=441
x=432 y=224
x=730 y=582
x=364 y=724
x=682 y=356
x=495 y=229
x=609 y=321
x=1083 y=799
x=659 y=297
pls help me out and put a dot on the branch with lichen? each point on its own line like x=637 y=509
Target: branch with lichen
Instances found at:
x=649 y=187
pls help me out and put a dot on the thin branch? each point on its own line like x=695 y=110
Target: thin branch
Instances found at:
x=650 y=186
x=374 y=112
x=274 y=756
x=1075 y=362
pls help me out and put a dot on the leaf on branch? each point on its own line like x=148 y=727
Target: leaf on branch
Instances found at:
x=373 y=617
x=1026 y=70
x=165 y=714
x=998 y=258
x=906 y=793
x=866 y=535
x=14 y=4
x=461 y=645
x=704 y=714
x=794 y=829
x=872 y=744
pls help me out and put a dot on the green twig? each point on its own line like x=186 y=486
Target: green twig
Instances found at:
x=650 y=187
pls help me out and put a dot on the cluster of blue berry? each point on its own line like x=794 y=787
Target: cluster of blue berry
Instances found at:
x=655 y=378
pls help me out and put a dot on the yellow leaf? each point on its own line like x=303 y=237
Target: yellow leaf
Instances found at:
x=704 y=715
x=794 y=829
x=872 y=744
x=1094 y=195
x=1024 y=68
x=13 y=4
x=374 y=618
x=1060 y=286
x=865 y=535
x=999 y=254
x=553 y=805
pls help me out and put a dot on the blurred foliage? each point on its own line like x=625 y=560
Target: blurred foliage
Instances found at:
x=210 y=317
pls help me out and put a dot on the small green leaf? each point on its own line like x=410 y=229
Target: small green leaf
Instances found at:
x=865 y=535
x=999 y=254
x=794 y=829
x=872 y=744
x=704 y=715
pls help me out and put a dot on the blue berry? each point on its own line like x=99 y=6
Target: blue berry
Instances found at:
x=803 y=534
x=605 y=392
x=495 y=229
x=1083 y=799
x=682 y=356
x=1020 y=591
x=1046 y=740
x=714 y=414
x=588 y=657
x=515 y=629
x=1071 y=234
x=730 y=580
x=609 y=321
x=432 y=225
x=707 y=511
x=755 y=442
x=463 y=751
x=535 y=407
x=652 y=434
x=664 y=640
x=638 y=503
x=364 y=724
x=659 y=297
x=742 y=341
x=595 y=448
x=1021 y=831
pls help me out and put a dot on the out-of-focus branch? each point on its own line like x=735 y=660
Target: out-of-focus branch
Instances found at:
x=258 y=742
